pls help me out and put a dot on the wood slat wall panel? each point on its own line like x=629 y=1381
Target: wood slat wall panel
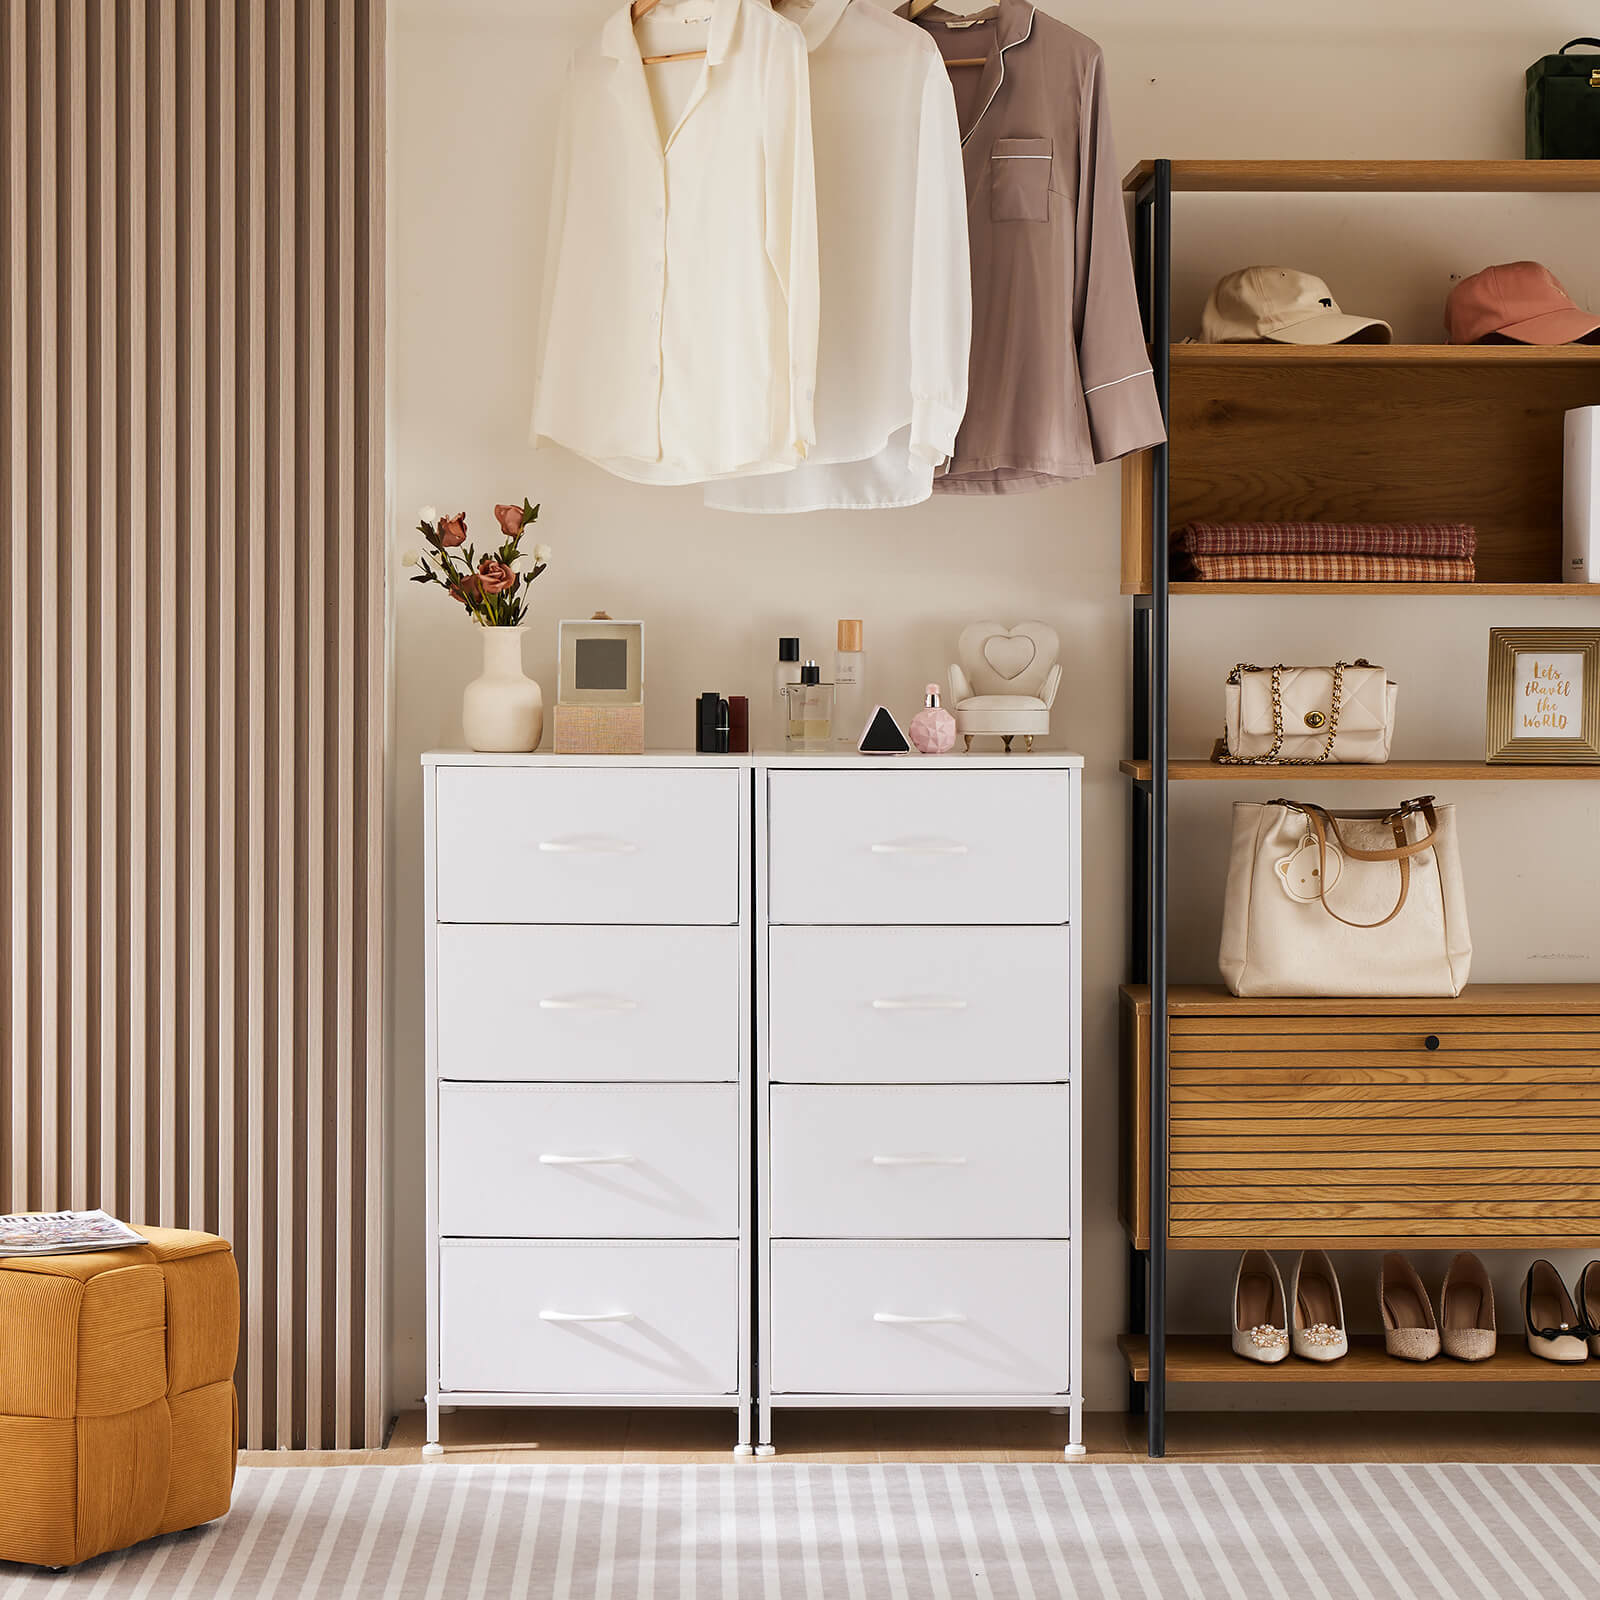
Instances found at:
x=192 y=663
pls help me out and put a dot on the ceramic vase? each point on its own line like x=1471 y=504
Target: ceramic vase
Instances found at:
x=503 y=708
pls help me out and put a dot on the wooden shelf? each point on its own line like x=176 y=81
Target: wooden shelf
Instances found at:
x=1209 y=1358
x=1376 y=177
x=1389 y=772
x=1379 y=355
x=1454 y=591
x=1485 y=999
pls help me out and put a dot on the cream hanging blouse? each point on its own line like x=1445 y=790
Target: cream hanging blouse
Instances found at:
x=896 y=284
x=679 y=308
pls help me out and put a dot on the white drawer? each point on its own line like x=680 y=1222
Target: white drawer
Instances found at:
x=553 y=1161
x=921 y=1163
x=588 y=1318
x=924 y=1319
x=587 y=844
x=919 y=1005
x=589 y=1004
x=933 y=847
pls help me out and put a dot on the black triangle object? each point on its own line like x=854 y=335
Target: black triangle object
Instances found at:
x=882 y=736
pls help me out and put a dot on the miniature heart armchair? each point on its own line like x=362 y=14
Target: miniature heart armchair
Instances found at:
x=1005 y=681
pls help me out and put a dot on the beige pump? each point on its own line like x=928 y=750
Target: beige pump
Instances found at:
x=1409 y=1330
x=1466 y=1310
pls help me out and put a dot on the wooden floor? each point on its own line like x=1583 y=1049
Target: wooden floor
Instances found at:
x=475 y=1437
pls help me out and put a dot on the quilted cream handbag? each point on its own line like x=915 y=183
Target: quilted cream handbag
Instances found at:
x=1303 y=716
x=1357 y=903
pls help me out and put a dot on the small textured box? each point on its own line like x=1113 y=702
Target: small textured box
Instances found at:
x=598 y=731
x=118 y=1418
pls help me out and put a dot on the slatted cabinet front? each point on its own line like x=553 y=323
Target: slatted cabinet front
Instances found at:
x=1354 y=1131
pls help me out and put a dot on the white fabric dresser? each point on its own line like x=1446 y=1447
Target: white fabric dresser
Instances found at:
x=754 y=1082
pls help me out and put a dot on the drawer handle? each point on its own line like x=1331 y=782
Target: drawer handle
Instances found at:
x=920 y=1002
x=919 y=1161
x=919 y=847
x=586 y=1316
x=588 y=1002
x=620 y=1157
x=590 y=845
x=895 y=1317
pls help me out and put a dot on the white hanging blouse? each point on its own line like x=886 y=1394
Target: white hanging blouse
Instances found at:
x=896 y=278
x=678 y=321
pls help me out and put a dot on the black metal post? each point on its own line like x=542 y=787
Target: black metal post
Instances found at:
x=1160 y=641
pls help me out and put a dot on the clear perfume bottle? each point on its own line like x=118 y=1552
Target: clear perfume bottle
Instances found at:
x=786 y=672
x=810 y=711
x=849 y=684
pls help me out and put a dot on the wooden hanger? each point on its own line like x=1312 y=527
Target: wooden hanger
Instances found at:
x=642 y=6
x=916 y=9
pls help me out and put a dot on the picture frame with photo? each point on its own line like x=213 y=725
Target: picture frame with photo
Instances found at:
x=1544 y=697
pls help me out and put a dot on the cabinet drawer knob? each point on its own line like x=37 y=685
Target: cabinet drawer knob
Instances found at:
x=919 y=1161
x=895 y=1317
x=919 y=847
x=586 y=1316
x=616 y=1159
x=1431 y=1042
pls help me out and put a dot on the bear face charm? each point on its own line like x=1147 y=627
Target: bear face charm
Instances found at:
x=1300 y=873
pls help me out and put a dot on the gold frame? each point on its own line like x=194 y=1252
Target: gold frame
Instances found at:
x=1501 y=747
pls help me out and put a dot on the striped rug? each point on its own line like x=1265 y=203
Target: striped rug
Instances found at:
x=770 y=1531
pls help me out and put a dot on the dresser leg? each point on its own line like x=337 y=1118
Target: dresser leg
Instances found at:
x=1075 y=1444
x=432 y=1447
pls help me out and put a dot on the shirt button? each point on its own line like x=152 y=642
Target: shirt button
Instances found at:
x=654 y=371
x=660 y=212
x=655 y=316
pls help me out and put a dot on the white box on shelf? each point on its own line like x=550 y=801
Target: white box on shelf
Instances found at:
x=1580 y=541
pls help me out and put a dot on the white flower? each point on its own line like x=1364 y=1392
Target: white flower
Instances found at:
x=411 y=559
x=541 y=554
x=428 y=514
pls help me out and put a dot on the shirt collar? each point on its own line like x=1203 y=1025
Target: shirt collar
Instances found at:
x=818 y=20
x=1014 y=19
x=618 y=42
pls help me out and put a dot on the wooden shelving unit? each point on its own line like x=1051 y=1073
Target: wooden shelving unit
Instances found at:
x=1471 y=1123
x=1209 y=1358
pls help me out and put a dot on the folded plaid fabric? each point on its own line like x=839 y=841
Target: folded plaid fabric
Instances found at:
x=1454 y=540
x=1325 y=569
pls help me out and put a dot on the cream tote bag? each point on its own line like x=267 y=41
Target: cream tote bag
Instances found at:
x=1304 y=716
x=1349 y=903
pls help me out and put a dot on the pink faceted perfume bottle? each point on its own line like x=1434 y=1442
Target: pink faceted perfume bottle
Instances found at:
x=933 y=729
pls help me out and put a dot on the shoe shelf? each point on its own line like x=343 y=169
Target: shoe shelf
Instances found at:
x=1191 y=770
x=1209 y=1358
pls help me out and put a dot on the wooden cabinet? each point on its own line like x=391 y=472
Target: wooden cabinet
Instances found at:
x=1373 y=1124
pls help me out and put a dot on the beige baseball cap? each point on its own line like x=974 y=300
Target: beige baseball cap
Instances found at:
x=1282 y=306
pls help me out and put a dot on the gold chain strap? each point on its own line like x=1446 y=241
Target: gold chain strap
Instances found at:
x=1271 y=758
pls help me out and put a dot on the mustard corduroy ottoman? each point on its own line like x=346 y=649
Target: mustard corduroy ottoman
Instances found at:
x=117 y=1412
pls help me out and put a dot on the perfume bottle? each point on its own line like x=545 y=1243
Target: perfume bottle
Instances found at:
x=933 y=729
x=787 y=671
x=849 y=683
x=810 y=714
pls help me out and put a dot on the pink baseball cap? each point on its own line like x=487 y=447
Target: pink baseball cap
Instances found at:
x=1520 y=300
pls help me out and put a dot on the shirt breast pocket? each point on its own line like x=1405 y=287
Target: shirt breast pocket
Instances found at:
x=1019 y=180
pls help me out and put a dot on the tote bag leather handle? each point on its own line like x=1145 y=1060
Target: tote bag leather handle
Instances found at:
x=1570 y=42
x=1324 y=822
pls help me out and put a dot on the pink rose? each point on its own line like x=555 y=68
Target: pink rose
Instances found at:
x=453 y=530
x=495 y=576
x=510 y=520
x=469 y=591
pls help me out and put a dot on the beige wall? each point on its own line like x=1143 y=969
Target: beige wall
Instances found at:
x=472 y=113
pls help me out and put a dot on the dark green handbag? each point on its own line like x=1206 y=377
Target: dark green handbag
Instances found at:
x=1564 y=106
